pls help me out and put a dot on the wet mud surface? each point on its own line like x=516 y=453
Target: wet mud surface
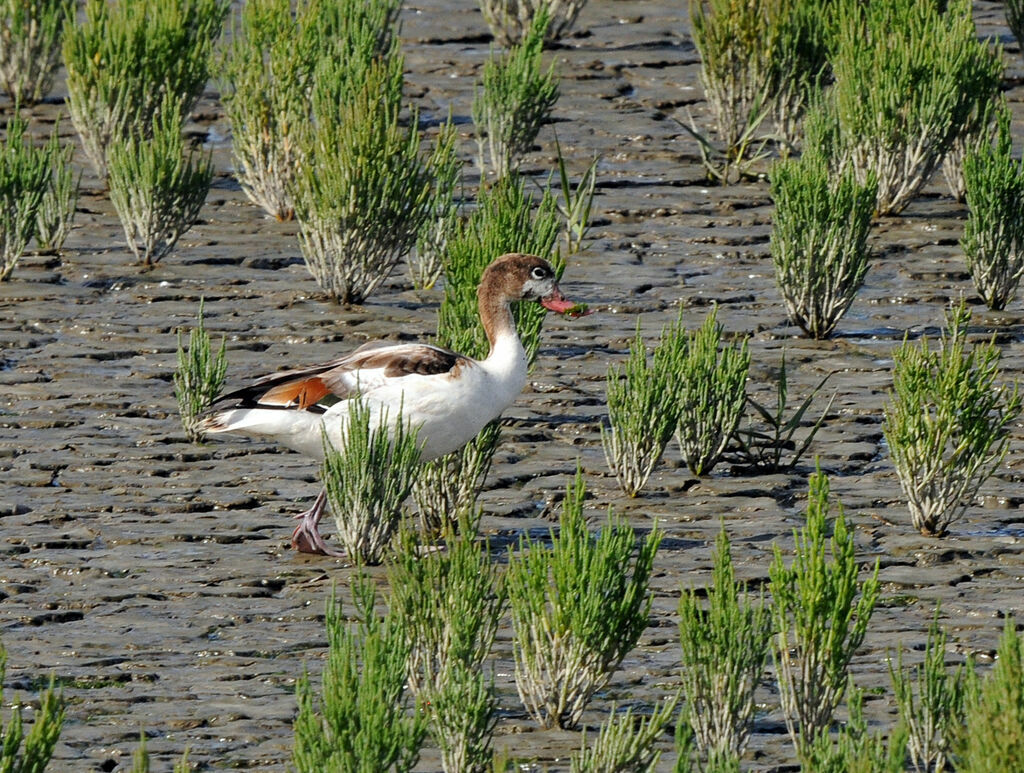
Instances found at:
x=154 y=576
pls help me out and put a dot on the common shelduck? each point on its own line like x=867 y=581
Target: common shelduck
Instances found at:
x=450 y=397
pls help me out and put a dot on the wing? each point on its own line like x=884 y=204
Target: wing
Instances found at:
x=369 y=367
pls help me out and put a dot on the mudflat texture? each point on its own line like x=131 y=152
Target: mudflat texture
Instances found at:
x=154 y=576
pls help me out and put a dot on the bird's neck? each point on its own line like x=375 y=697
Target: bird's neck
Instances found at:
x=496 y=316
x=502 y=336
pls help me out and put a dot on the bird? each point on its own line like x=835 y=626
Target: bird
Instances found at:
x=448 y=396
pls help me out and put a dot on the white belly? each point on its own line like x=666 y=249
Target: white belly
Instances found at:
x=448 y=411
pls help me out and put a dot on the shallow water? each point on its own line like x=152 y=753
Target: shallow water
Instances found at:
x=154 y=577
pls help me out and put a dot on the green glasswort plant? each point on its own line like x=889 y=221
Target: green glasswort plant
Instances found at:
x=758 y=58
x=265 y=75
x=199 y=376
x=131 y=57
x=278 y=60
x=947 y=423
x=978 y=131
x=57 y=209
x=711 y=395
x=1015 y=20
x=30 y=41
x=449 y=604
x=625 y=742
x=156 y=188
x=510 y=20
x=365 y=191
x=578 y=607
x=724 y=651
x=819 y=237
x=513 y=100
x=931 y=704
x=926 y=60
x=426 y=264
x=369 y=478
x=821 y=614
x=764 y=448
x=506 y=219
x=345 y=39
x=31 y=752
x=24 y=176
x=360 y=721
x=855 y=749
x=463 y=714
x=993 y=738
x=993 y=240
x=643 y=406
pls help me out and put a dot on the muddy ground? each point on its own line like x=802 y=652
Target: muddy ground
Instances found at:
x=154 y=576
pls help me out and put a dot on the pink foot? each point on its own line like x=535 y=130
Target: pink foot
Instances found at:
x=306 y=537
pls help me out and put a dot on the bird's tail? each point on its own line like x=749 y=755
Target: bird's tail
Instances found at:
x=299 y=430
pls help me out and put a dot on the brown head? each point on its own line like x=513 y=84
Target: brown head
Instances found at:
x=516 y=276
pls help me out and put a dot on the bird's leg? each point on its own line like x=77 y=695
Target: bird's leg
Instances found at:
x=306 y=537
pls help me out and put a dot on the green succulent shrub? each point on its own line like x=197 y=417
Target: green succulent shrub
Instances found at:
x=993 y=240
x=947 y=422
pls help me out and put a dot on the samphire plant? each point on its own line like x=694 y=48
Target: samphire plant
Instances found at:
x=463 y=714
x=979 y=130
x=931 y=703
x=625 y=742
x=993 y=737
x=1015 y=20
x=578 y=606
x=24 y=176
x=711 y=395
x=364 y=190
x=156 y=186
x=199 y=376
x=361 y=720
x=426 y=263
x=265 y=74
x=30 y=41
x=510 y=20
x=947 y=422
x=369 y=478
x=758 y=59
x=30 y=752
x=821 y=613
x=993 y=240
x=724 y=650
x=856 y=750
x=129 y=58
x=57 y=209
x=819 y=232
x=643 y=406
x=506 y=219
x=449 y=603
x=906 y=76
x=513 y=100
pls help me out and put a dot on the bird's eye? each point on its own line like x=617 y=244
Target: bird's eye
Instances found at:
x=539 y=272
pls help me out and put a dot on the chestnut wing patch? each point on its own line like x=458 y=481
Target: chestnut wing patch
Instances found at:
x=301 y=394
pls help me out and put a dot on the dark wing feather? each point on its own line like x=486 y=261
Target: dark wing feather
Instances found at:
x=303 y=389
